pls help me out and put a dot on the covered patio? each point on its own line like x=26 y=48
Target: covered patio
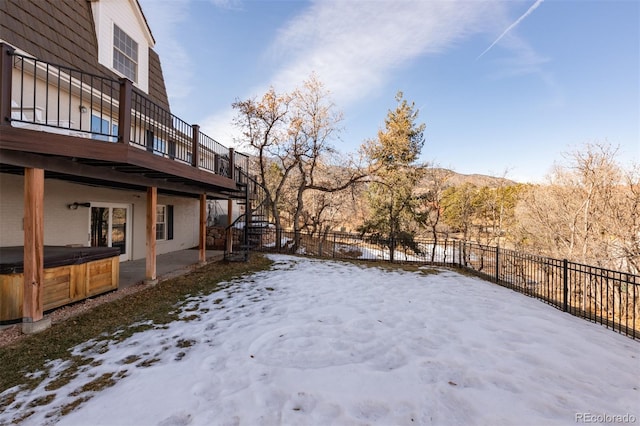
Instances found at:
x=168 y=265
x=131 y=274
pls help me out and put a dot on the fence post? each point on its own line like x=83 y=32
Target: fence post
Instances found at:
x=444 y=257
x=392 y=249
x=497 y=264
x=333 y=252
x=565 y=285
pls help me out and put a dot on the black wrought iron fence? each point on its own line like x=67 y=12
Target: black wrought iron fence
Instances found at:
x=607 y=297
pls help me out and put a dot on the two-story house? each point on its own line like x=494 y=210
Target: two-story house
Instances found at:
x=90 y=153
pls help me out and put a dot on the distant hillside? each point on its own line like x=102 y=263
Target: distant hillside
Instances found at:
x=457 y=179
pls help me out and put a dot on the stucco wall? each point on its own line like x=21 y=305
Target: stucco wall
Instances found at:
x=63 y=226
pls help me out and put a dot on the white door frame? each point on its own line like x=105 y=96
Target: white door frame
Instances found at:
x=128 y=228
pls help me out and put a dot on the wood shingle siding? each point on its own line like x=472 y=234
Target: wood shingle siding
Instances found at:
x=157 y=89
x=62 y=32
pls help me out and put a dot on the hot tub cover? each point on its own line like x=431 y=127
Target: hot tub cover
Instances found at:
x=12 y=258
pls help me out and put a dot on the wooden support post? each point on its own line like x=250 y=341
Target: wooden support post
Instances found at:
x=202 y=245
x=33 y=281
x=152 y=203
x=229 y=229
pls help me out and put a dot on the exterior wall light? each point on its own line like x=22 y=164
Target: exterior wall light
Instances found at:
x=74 y=206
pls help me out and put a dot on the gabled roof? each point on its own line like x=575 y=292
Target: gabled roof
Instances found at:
x=143 y=21
x=62 y=32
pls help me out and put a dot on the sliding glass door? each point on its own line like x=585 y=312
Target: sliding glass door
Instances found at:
x=110 y=227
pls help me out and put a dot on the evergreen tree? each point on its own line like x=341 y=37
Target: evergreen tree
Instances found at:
x=394 y=155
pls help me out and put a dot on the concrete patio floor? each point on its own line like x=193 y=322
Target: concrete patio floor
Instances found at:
x=168 y=265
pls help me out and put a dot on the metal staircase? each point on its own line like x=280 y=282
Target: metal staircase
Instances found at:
x=253 y=223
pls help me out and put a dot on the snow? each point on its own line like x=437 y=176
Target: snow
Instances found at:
x=315 y=342
x=372 y=251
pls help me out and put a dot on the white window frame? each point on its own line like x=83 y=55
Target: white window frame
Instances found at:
x=127 y=56
x=159 y=146
x=111 y=127
x=128 y=255
x=162 y=229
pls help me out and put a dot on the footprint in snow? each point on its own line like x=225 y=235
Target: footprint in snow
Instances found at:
x=180 y=419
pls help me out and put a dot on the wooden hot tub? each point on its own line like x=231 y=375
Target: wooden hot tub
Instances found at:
x=71 y=274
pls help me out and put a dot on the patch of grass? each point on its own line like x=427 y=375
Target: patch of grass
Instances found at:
x=396 y=266
x=152 y=305
x=130 y=359
x=190 y=318
x=66 y=409
x=97 y=384
x=185 y=343
x=148 y=362
x=24 y=417
x=69 y=373
x=429 y=271
x=8 y=399
x=43 y=400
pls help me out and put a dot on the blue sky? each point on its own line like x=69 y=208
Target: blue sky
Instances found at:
x=503 y=86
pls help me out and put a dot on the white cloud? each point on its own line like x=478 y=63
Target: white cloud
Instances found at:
x=227 y=4
x=353 y=46
x=523 y=59
x=219 y=126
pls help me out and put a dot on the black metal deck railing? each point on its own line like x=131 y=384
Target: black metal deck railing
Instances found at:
x=607 y=297
x=214 y=156
x=59 y=99
x=158 y=131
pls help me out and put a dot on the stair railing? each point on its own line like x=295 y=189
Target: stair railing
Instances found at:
x=251 y=188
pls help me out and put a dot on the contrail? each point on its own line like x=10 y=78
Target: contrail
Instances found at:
x=512 y=26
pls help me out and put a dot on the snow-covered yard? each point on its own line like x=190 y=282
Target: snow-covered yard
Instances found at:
x=327 y=343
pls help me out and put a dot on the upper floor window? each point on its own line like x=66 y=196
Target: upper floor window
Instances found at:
x=102 y=129
x=125 y=54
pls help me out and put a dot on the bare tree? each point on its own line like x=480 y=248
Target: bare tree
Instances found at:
x=496 y=212
x=460 y=205
x=586 y=212
x=265 y=126
x=429 y=206
x=292 y=137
